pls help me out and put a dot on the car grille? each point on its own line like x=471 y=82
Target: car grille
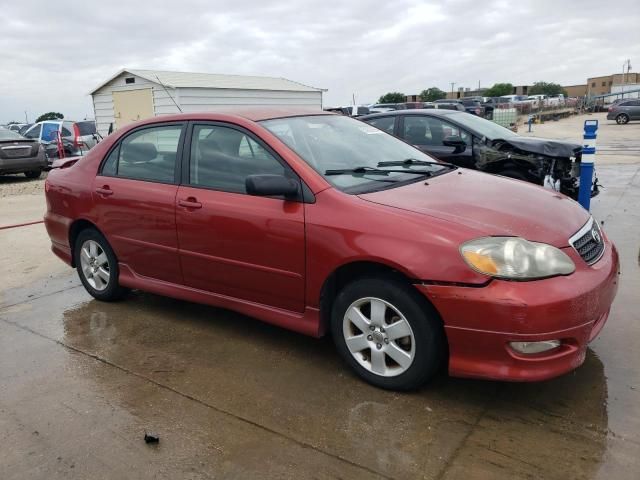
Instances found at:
x=16 y=152
x=589 y=242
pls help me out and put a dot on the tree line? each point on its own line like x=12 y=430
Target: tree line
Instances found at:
x=497 y=90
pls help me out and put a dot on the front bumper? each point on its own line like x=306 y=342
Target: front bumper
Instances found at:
x=480 y=322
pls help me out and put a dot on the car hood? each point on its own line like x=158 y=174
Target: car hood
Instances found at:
x=544 y=146
x=490 y=205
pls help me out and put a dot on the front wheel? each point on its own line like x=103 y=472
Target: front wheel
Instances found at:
x=388 y=333
x=622 y=119
x=97 y=266
x=33 y=173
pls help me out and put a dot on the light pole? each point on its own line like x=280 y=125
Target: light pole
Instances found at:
x=452 y=85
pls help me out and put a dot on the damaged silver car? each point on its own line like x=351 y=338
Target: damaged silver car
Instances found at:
x=473 y=142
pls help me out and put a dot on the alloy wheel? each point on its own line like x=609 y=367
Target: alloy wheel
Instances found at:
x=379 y=337
x=622 y=119
x=95 y=265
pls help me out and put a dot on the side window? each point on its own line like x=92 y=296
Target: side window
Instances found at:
x=431 y=131
x=386 y=124
x=222 y=158
x=50 y=131
x=34 y=132
x=148 y=154
x=110 y=166
x=417 y=131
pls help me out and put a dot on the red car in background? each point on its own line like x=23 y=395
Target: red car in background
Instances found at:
x=319 y=222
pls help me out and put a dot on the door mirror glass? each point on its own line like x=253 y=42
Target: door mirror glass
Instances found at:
x=271 y=185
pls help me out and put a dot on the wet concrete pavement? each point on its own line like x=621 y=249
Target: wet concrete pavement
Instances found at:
x=230 y=397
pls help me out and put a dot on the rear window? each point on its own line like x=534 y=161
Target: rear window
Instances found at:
x=86 y=128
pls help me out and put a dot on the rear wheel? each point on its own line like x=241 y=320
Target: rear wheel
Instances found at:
x=388 y=333
x=97 y=266
x=622 y=119
x=33 y=173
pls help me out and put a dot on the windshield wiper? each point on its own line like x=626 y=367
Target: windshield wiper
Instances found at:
x=413 y=161
x=375 y=171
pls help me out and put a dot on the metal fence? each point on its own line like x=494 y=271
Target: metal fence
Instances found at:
x=511 y=114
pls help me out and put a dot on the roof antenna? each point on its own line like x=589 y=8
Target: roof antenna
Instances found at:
x=165 y=89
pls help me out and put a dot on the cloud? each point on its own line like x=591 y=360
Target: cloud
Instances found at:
x=52 y=57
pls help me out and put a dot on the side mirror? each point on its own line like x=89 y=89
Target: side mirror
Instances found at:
x=455 y=141
x=268 y=185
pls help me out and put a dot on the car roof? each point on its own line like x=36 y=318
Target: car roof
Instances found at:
x=248 y=113
x=434 y=112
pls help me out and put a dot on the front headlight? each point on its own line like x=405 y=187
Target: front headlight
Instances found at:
x=515 y=258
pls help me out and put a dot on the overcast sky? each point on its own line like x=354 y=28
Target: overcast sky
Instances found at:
x=54 y=53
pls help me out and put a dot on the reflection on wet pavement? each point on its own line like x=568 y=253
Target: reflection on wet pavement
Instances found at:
x=234 y=398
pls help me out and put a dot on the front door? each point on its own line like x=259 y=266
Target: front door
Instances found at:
x=242 y=246
x=428 y=133
x=134 y=198
x=132 y=105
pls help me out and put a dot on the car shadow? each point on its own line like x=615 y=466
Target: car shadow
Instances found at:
x=298 y=386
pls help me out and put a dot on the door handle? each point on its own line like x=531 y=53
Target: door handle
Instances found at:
x=190 y=202
x=105 y=190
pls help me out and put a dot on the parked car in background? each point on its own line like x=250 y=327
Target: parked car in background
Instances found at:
x=350 y=110
x=20 y=155
x=624 y=111
x=318 y=222
x=385 y=107
x=446 y=105
x=77 y=137
x=473 y=106
x=479 y=144
x=15 y=127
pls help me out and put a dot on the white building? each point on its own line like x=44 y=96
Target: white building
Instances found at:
x=132 y=95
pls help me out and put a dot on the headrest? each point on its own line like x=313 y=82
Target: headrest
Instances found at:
x=139 y=152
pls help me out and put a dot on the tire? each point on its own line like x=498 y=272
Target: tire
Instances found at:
x=401 y=346
x=514 y=174
x=33 y=173
x=622 y=119
x=97 y=266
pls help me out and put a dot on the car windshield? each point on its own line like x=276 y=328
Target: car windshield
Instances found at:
x=332 y=142
x=486 y=128
x=6 y=134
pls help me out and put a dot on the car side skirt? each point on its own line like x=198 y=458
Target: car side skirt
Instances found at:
x=307 y=322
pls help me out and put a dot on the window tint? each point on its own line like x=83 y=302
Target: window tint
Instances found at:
x=34 y=132
x=86 y=128
x=430 y=131
x=222 y=158
x=110 y=166
x=386 y=124
x=148 y=154
x=66 y=132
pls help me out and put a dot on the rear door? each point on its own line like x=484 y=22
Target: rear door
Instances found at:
x=634 y=110
x=232 y=243
x=134 y=197
x=428 y=133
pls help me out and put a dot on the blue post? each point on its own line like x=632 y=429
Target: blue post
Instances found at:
x=586 y=165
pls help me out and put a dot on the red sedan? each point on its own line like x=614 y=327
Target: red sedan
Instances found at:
x=318 y=222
